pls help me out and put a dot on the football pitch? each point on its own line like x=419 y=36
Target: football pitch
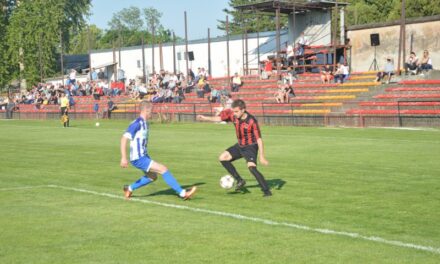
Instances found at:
x=340 y=195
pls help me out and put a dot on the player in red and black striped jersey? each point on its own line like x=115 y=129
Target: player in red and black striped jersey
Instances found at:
x=249 y=143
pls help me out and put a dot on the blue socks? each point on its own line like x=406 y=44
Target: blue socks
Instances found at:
x=169 y=179
x=141 y=182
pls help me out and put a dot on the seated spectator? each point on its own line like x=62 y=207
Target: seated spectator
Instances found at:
x=411 y=63
x=177 y=96
x=387 y=71
x=190 y=85
x=214 y=96
x=280 y=95
x=326 y=74
x=236 y=83
x=425 y=63
x=288 y=93
x=341 y=73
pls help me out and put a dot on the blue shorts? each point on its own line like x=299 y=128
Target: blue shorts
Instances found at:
x=143 y=163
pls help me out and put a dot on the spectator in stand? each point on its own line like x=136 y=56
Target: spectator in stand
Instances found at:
x=425 y=63
x=290 y=55
x=189 y=85
x=191 y=74
x=267 y=72
x=411 y=63
x=326 y=74
x=121 y=75
x=236 y=83
x=388 y=71
x=101 y=75
x=280 y=95
x=288 y=93
x=302 y=42
x=214 y=96
x=72 y=77
x=94 y=75
x=341 y=73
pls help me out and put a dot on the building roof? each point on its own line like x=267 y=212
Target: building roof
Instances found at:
x=286 y=7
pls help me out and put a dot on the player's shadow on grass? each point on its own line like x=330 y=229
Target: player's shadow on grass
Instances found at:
x=274 y=184
x=169 y=191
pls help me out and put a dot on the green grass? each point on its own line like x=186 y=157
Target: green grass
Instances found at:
x=374 y=182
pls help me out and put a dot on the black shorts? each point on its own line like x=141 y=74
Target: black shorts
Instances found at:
x=249 y=153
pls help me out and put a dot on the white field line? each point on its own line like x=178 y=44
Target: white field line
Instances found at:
x=243 y=217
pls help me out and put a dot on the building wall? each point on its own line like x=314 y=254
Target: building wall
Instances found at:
x=315 y=24
x=420 y=35
x=131 y=57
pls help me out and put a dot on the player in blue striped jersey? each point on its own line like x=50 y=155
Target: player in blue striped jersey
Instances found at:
x=137 y=134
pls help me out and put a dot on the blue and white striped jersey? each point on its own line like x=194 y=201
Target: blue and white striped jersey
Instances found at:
x=137 y=132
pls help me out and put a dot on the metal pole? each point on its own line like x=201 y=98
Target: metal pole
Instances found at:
x=209 y=53
x=227 y=50
x=174 y=53
x=152 y=45
x=258 y=51
x=160 y=55
x=120 y=47
x=186 y=43
x=242 y=52
x=335 y=28
x=40 y=58
x=144 y=77
x=62 y=55
x=403 y=29
x=89 y=48
x=278 y=41
x=247 y=49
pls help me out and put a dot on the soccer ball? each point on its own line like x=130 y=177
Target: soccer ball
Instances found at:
x=97 y=124
x=226 y=182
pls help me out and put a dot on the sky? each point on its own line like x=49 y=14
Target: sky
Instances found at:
x=201 y=14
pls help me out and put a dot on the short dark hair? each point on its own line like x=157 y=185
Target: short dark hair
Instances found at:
x=239 y=103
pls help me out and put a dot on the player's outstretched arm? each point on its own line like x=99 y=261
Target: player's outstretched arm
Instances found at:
x=124 y=161
x=263 y=159
x=209 y=118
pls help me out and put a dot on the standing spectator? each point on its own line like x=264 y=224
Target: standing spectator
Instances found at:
x=110 y=107
x=96 y=109
x=64 y=106
x=302 y=42
x=236 y=83
x=101 y=75
x=411 y=63
x=10 y=107
x=341 y=73
x=72 y=77
x=94 y=75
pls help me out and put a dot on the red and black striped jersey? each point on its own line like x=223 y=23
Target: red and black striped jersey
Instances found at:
x=247 y=130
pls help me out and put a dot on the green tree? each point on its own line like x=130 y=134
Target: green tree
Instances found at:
x=88 y=36
x=33 y=35
x=250 y=20
x=374 y=11
x=127 y=19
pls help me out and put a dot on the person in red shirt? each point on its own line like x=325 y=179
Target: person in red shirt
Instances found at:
x=249 y=143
